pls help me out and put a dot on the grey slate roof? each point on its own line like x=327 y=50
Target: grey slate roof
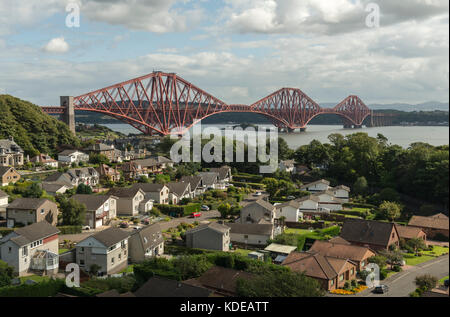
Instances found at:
x=150 y=235
x=27 y=203
x=36 y=231
x=367 y=231
x=149 y=187
x=92 y=202
x=10 y=146
x=209 y=178
x=3 y=194
x=111 y=236
x=124 y=192
x=220 y=228
x=222 y=171
x=244 y=228
x=4 y=170
x=193 y=180
x=178 y=188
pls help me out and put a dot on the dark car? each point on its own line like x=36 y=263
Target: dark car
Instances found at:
x=381 y=289
x=124 y=225
x=446 y=283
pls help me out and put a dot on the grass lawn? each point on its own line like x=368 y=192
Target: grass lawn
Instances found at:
x=35 y=278
x=441 y=281
x=414 y=260
x=298 y=231
x=437 y=251
x=129 y=269
x=61 y=251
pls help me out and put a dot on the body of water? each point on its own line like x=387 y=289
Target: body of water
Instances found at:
x=402 y=136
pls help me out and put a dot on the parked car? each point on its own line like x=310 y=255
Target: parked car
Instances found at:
x=290 y=197
x=258 y=194
x=86 y=228
x=381 y=289
x=124 y=225
x=205 y=208
x=196 y=214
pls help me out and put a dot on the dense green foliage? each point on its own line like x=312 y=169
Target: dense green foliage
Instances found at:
x=6 y=274
x=72 y=211
x=33 y=130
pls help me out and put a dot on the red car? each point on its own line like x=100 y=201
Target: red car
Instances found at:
x=196 y=214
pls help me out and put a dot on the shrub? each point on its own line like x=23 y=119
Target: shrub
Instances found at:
x=43 y=289
x=426 y=282
x=396 y=268
x=70 y=229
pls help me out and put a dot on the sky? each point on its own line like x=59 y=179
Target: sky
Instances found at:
x=237 y=50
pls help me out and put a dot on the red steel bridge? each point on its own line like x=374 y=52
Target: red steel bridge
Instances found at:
x=164 y=103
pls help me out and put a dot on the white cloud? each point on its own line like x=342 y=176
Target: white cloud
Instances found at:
x=57 y=45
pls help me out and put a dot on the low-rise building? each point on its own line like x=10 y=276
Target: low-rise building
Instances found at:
x=102 y=149
x=341 y=192
x=107 y=249
x=332 y=273
x=54 y=189
x=328 y=201
x=309 y=204
x=128 y=200
x=432 y=226
x=8 y=175
x=34 y=247
x=279 y=252
x=84 y=175
x=376 y=235
x=196 y=182
x=100 y=209
x=408 y=232
x=3 y=203
x=108 y=173
x=210 y=179
x=72 y=156
x=212 y=236
x=224 y=176
x=45 y=160
x=11 y=154
x=257 y=211
x=178 y=191
x=289 y=210
x=26 y=211
x=160 y=193
x=317 y=186
x=145 y=243
x=251 y=234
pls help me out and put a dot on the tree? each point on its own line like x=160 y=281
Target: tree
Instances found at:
x=73 y=212
x=6 y=274
x=162 y=178
x=271 y=186
x=426 y=282
x=360 y=186
x=416 y=244
x=84 y=189
x=98 y=159
x=33 y=191
x=93 y=269
x=282 y=283
x=224 y=210
x=379 y=260
x=393 y=257
x=143 y=179
x=389 y=194
x=390 y=210
x=191 y=266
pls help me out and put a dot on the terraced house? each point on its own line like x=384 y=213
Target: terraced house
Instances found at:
x=11 y=154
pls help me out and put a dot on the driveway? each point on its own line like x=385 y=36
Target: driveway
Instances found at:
x=206 y=215
x=401 y=284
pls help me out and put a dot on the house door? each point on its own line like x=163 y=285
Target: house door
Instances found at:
x=10 y=223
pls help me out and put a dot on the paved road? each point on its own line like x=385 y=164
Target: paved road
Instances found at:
x=401 y=284
x=206 y=215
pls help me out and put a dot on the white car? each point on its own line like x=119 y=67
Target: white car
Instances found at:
x=86 y=228
x=258 y=194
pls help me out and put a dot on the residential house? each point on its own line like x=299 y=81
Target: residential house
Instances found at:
x=251 y=234
x=331 y=272
x=100 y=209
x=212 y=236
x=154 y=165
x=328 y=201
x=341 y=192
x=224 y=176
x=309 y=204
x=257 y=211
x=196 y=183
x=54 y=189
x=158 y=192
x=128 y=200
x=357 y=254
x=287 y=166
x=146 y=243
x=289 y=210
x=132 y=171
x=220 y=280
x=26 y=211
x=178 y=191
x=45 y=160
x=433 y=226
x=34 y=247
x=108 y=249
x=210 y=179
x=84 y=175
x=72 y=156
x=376 y=235
x=408 y=232
x=11 y=154
x=317 y=186
x=102 y=149
x=8 y=175
x=108 y=173
x=3 y=203
x=61 y=178
x=162 y=287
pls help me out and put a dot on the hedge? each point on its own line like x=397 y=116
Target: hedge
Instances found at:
x=358 y=205
x=248 y=178
x=251 y=185
x=43 y=289
x=353 y=213
x=175 y=210
x=70 y=229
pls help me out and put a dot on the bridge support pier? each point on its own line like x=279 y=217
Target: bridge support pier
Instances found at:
x=69 y=114
x=347 y=126
x=303 y=129
x=359 y=126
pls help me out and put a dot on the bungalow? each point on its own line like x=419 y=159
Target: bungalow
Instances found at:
x=373 y=234
x=357 y=254
x=210 y=179
x=154 y=164
x=162 y=287
x=331 y=272
x=72 y=156
x=158 y=192
x=108 y=249
x=257 y=211
x=146 y=243
x=212 y=236
x=178 y=191
x=328 y=201
x=34 y=247
x=100 y=209
x=289 y=210
x=287 y=166
x=11 y=154
x=408 y=232
x=128 y=200
x=433 y=226
x=8 y=175
x=220 y=280
x=45 y=160
x=108 y=173
x=317 y=186
x=196 y=183
x=27 y=211
x=251 y=234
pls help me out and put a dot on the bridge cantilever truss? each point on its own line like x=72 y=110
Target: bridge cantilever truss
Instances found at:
x=165 y=103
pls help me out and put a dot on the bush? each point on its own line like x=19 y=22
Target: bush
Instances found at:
x=440 y=237
x=44 y=289
x=70 y=229
x=383 y=274
x=396 y=268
